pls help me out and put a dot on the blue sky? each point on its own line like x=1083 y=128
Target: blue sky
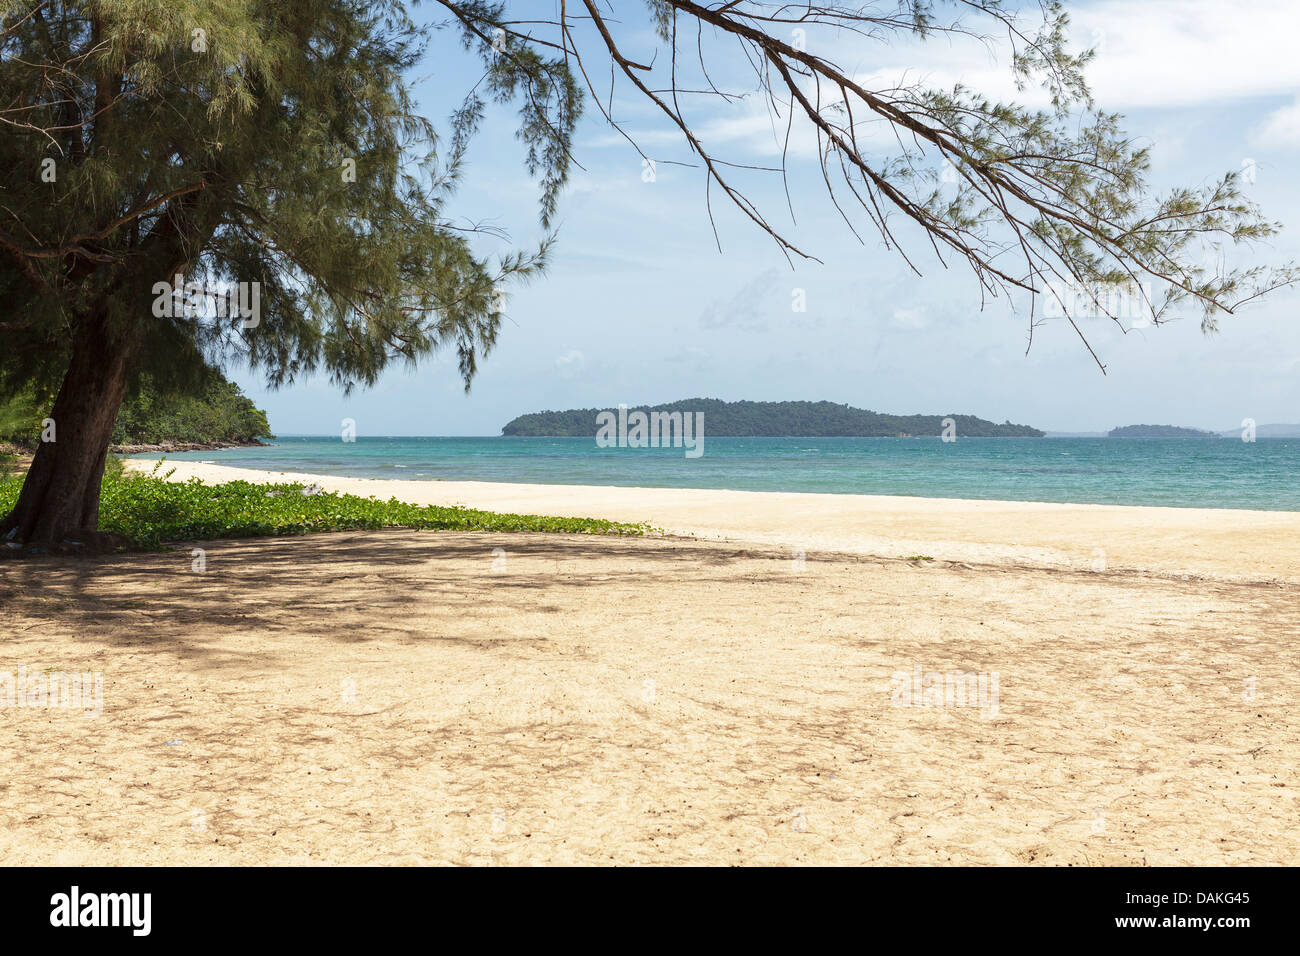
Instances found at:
x=639 y=305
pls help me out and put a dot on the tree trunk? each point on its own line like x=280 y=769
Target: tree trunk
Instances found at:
x=59 y=503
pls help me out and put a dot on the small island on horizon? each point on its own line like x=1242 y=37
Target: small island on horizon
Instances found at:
x=776 y=420
x=1158 y=431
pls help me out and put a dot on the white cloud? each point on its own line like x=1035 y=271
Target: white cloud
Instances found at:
x=911 y=317
x=1150 y=54
x=1157 y=53
x=1281 y=128
x=1190 y=52
x=571 y=363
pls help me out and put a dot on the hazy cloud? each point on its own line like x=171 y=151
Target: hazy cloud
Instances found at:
x=571 y=364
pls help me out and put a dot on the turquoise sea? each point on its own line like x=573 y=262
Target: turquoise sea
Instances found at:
x=1202 y=473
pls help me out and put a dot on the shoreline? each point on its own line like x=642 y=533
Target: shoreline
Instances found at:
x=1211 y=543
x=181 y=446
x=1224 y=480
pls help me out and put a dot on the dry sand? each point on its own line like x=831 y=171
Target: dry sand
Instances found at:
x=1245 y=546
x=404 y=697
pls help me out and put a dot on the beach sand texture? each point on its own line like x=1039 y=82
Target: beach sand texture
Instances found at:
x=1246 y=546
x=423 y=697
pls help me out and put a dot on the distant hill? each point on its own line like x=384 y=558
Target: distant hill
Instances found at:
x=777 y=420
x=1158 y=431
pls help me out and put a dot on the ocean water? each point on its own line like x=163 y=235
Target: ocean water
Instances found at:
x=1202 y=473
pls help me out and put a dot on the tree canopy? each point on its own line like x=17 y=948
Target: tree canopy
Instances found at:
x=251 y=142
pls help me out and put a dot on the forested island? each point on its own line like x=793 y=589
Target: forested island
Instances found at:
x=776 y=420
x=213 y=413
x=1158 y=431
x=218 y=414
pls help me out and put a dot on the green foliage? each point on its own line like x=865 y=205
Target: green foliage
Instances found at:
x=151 y=510
x=215 y=411
x=219 y=413
x=20 y=418
x=268 y=141
x=776 y=419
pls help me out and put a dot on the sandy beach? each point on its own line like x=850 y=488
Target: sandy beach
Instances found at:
x=755 y=687
x=1245 y=546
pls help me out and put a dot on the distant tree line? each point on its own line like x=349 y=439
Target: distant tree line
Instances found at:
x=213 y=411
x=1158 y=431
x=777 y=420
x=220 y=412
